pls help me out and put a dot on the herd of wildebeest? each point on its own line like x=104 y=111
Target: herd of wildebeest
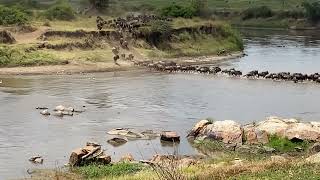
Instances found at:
x=129 y=23
x=174 y=67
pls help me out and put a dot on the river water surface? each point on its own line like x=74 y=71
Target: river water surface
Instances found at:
x=150 y=100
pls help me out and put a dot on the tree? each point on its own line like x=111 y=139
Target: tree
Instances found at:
x=99 y=4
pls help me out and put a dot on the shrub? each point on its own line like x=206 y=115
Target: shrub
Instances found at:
x=175 y=10
x=60 y=11
x=312 y=10
x=257 y=12
x=13 y=15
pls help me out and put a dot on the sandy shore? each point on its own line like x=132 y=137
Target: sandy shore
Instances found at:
x=73 y=68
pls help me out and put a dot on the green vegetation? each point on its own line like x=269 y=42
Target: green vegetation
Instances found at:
x=192 y=9
x=312 y=10
x=257 y=12
x=119 y=169
x=12 y=15
x=12 y=57
x=285 y=145
x=60 y=11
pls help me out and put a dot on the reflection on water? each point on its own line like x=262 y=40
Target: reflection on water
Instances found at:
x=148 y=100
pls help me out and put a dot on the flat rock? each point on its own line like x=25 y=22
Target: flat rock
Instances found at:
x=170 y=136
x=126 y=132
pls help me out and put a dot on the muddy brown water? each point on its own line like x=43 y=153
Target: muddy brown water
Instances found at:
x=150 y=100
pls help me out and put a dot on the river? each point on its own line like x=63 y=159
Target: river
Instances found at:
x=151 y=100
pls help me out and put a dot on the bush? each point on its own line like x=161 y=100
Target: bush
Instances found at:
x=60 y=11
x=162 y=27
x=175 y=10
x=257 y=12
x=13 y=15
x=312 y=10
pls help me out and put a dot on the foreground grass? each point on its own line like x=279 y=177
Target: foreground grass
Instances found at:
x=99 y=171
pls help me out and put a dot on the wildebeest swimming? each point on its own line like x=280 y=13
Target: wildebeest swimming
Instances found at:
x=170 y=66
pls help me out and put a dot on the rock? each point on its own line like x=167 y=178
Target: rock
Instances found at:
x=104 y=159
x=254 y=135
x=170 y=136
x=302 y=131
x=314 y=158
x=125 y=132
x=117 y=141
x=278 y=159
x=149 y=134
x=45 y=112
x=127 y=158
x=59 y=108
x=315 y=148
x=273 y=125
x=69 y=109
x=198 y=127
x=94 y=144
x=58 y=113
x=36 y=159
x=226 y=131
x=88 y=154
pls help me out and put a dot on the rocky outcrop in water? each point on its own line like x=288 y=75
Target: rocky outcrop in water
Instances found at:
x=230 y=132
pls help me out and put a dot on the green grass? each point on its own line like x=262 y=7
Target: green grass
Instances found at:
x=13 y=57
x=285 y=172
x=98 y=171
x=285 y=145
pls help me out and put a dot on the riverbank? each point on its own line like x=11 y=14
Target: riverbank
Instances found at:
x=289 y=153
x=81 y=49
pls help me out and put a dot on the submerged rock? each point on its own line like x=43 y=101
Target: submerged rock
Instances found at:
x=59 y=108
x=117 y=141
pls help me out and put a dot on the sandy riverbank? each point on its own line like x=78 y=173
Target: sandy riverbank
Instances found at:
x=74 y=67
